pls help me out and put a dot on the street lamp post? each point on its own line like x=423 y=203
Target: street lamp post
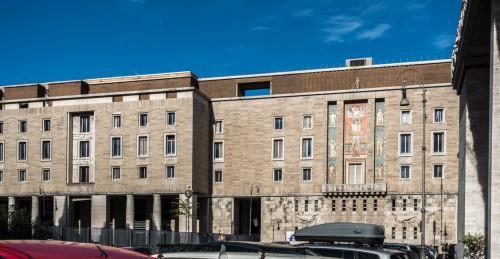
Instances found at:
x=405 y=102
x=42 y=195
x=188 y=193
x=257 y=190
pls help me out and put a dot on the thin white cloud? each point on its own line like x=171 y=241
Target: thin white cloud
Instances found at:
x=262 y=28
x=374 y=33
x=304 y=13
x=341 y=26
x=443 y=41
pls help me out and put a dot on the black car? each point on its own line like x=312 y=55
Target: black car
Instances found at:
x=143 y=250
x=412 y=250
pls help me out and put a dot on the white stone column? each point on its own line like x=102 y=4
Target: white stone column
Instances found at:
x=494 y=143
x=61 y=211
x=194 y=215
x=12 y=203
x=98 y=211
x=129 y=213
x=156 y=212
x=34 y=208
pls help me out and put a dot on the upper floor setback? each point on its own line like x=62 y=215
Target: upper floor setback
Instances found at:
x=292 y=82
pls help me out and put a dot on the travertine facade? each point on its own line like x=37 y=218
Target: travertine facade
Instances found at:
x=311 y=149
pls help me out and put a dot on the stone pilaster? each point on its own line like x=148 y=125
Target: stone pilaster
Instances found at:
x=156 y=212
x=34 y=208
x=61 y=211
x=129 y=216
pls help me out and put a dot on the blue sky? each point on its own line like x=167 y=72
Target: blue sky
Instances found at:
x=57 y=40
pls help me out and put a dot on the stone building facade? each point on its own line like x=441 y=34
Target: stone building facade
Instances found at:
x=264 y=154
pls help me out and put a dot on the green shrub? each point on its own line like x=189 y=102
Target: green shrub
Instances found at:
x=474 y=245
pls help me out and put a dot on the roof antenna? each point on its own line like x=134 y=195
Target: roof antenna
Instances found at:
x=356 y=84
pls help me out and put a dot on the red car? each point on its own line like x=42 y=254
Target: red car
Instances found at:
x=43 y=249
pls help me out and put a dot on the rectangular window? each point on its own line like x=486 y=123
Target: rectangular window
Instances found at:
x=438 y=143
x=84 y=149
x=344 y=205
x=307 y=122
x=438 y=171
x=84 y=174
x=404 y=204
x=1 y=152
x=142 y=146
x=278 y=123
x=365 y=205
x=46 y=175
x=355 y=174
x=170 y=145
x=218 y=127
x=278 y=149
x=1 y=127
x=143 y=119
x=404 y=232
x=334 y=205
x=306 y=174
x=438 y=115
x=296 y=206
x=393 y=233
x=116 y=173
x=218 y=151
x=277 y=175
x=415 y=232
x=405 y=172
x=170 y=172
x=306 y=205
x=405 y=117
x=316 y=205
x=22 y=176
x=218 y=176
x=46 y=150
x=143 y=172
x=170 y=118
x=22 y=151
x=116 y=146
x=415 y=204
x=46 y=125
x=117 y=121
x=375 y=205
x=307 y=148
x=393 y=203
x=23 y=126
x=404 y=144
x=84 y=123
x=353 y=205
x=1 y=176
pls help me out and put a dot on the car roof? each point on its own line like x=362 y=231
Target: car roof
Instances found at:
x=354 y=248
x=44 y=249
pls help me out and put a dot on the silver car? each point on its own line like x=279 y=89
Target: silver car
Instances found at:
x=355 y=252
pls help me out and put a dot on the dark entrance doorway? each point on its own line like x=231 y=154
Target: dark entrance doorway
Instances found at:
x=247 y=216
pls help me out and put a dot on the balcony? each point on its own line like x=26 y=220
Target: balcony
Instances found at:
x=374 y=189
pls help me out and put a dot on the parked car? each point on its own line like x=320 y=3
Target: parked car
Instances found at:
x=143 y=250
x=235 y=249
x=354 y=251
x=412 y=250
x=43 y=249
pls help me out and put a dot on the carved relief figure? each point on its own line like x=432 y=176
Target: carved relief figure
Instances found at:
x=380 y=117
x=333 y=119
x=332 y=147
x=331 y=172
x=380 y=146
x=380 y=171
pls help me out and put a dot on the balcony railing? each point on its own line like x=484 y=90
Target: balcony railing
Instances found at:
x=354 y=189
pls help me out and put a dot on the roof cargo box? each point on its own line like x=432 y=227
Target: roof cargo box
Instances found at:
x=370 y=234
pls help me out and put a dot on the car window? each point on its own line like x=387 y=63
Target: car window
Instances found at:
x=328 y=252
x=362 y=255
x=348 y=255
x=398 y=256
